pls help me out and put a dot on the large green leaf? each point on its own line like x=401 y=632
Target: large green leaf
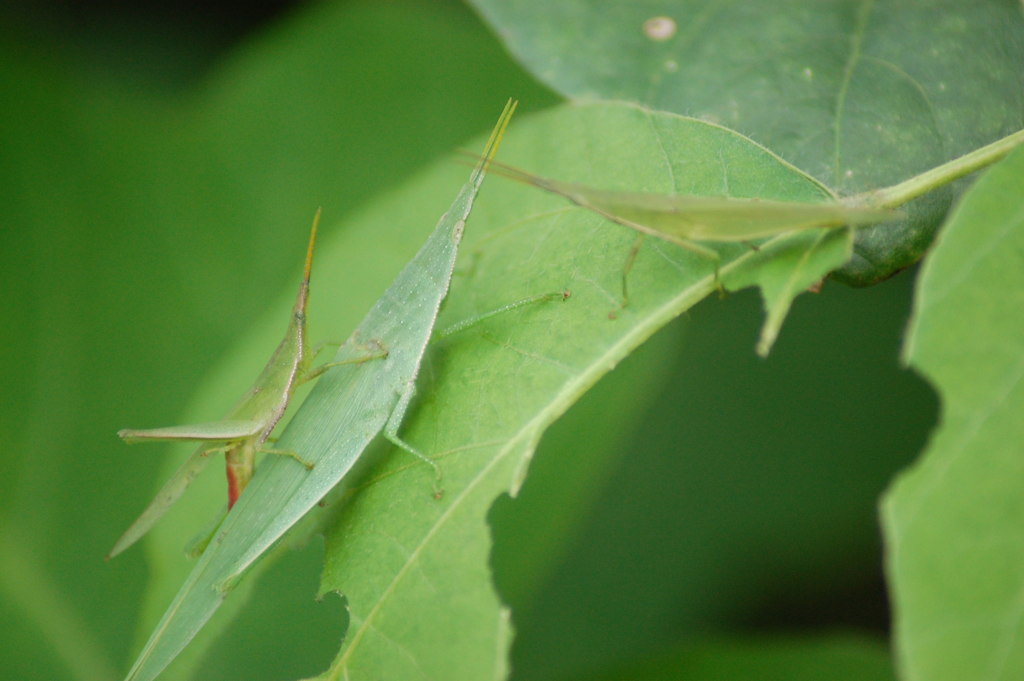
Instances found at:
x=415 y=570
x=953 y=522
x=858 y=94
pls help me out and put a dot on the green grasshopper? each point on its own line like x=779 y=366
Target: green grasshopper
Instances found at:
x=246 y=429
x=685 y=220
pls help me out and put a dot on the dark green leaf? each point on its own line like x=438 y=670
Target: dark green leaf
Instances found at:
x=859 y=95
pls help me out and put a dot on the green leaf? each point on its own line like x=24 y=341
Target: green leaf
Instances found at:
x=953 y=521
x=860 y=95
x=786 y=268
x=413 y=569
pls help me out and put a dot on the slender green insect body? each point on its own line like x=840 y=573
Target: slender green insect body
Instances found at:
x=268 y=398
x=245 y=430
x=683 y=219
x=687 y=220
x=728 y=219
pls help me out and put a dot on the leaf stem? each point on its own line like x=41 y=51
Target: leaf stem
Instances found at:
x=898 y=194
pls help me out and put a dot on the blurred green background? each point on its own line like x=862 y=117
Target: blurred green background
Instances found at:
x=158 y=168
